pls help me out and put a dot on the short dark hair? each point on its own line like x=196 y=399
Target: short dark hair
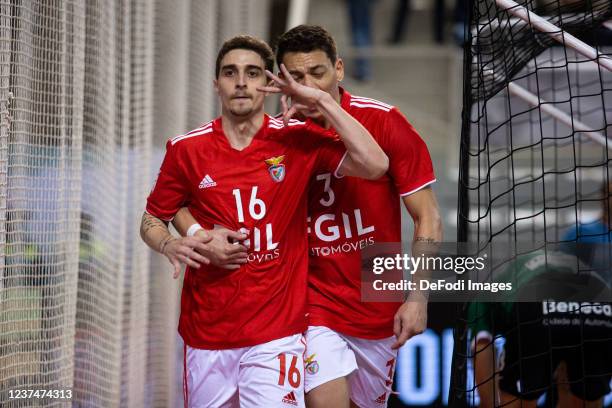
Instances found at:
x=306 y=38
x=246 y=42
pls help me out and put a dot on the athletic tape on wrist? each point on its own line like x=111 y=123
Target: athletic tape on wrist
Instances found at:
x=193 y=229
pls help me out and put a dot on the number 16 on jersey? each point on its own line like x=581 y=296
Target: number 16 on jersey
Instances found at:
x=257 y=210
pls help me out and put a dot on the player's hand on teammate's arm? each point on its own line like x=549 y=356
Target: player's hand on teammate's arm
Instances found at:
x=410 y=320
x=185 y=250
x=155 y=234
x=223 y=249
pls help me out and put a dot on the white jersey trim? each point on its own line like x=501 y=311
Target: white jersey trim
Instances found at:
x=370 y=105
x=482 y=335
x=418 y=188
x=202 y=130
x=337 y=171
x=370 y=100
x=276 y=121
x=187 y=136
x=278 y=124
x=203 y=127
x=295 y=122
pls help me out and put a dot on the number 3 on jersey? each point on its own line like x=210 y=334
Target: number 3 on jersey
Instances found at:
x=326 y=178
x=257 y=210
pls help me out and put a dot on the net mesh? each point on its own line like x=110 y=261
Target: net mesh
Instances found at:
x=89 y=92
x=504 y=43
x=528 y=177
x=42 y=80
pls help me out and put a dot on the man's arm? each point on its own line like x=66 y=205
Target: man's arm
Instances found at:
x=218 y=249
x=154 y=232
x=166 y=199
x=484 y=373
x=364 y=158
x=411 y=317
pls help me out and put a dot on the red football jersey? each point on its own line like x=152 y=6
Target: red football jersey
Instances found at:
x=348 y=214
x=262 y=189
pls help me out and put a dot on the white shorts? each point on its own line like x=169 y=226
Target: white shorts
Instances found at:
x=266 y=375
x=368 y=364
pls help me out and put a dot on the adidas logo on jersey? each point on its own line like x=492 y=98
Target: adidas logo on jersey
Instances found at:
x=207 y=181
x=382 y=399
x=290 y=399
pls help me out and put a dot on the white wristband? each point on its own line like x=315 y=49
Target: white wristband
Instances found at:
x=193 y=229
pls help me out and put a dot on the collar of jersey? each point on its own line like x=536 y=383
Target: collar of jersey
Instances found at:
x=218 y=128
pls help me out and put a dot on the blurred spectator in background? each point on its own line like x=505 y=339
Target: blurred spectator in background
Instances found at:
x=402 y=13
x=523 y=347
x=402 y=9
x=597 y=235
x=460 y=21
x=361 y=35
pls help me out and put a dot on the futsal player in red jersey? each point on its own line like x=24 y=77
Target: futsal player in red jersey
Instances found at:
x=352 y=345
x=247 y=172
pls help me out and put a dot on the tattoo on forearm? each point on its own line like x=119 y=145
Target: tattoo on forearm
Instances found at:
x=149 y=222
x=425 y=239
x=164 y=242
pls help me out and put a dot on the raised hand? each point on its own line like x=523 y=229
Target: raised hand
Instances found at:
x=302 y=97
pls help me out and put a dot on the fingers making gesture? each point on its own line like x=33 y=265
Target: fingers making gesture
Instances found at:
x=302 y=97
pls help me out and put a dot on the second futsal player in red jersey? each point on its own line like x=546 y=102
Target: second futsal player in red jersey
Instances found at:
x=352 y=345
x=348 y=214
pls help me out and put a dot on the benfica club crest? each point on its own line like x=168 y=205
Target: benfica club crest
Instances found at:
x=311 y=364
x=277 y=168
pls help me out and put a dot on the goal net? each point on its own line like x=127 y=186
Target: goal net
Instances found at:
x=535 y=163
x=89 y=92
